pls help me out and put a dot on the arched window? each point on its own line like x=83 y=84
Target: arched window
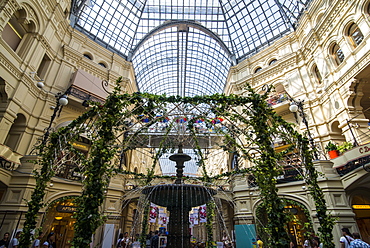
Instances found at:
x=317 y=74
x=88 y=56
x=337 y=54
x=15 y=132
x=102 y=64
x=257 y=69
x=273 y=61
x=355 y=34
x=14 y=30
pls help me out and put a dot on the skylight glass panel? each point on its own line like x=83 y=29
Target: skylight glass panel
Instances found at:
x=245 y=27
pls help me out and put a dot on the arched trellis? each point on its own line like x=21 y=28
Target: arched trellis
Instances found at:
x=242 y=124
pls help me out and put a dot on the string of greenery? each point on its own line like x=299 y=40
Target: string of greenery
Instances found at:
x=250 y=133
x=47 y=155
x=98 y=170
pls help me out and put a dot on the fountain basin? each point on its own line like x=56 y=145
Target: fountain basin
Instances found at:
x=179 y=195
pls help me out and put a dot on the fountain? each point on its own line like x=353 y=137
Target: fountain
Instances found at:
x=179 y=198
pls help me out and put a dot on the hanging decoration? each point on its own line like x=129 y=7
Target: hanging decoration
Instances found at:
x=243 y=125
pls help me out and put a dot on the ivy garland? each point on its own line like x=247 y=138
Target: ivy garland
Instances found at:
x=254 y=114
x=98 y=170
x=210 y=207
x=43 y=176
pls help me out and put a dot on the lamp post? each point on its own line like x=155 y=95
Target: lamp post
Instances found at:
x=297 y=106
x=61 y=100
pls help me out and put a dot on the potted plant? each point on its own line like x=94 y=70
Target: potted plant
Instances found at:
x=345 y=147
x=332 y=150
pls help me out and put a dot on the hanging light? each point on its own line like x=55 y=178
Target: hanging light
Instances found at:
x=293 y=107
x=40 y=84
x=63 y=100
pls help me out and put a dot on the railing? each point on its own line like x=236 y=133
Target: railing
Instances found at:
x=7 y=165
x=350 y=166
x=290 y=174
x=69 y=171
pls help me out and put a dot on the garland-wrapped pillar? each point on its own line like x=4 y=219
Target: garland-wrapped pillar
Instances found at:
x=326 y=220
x=98 y=171
x=210 y=220
x=49 y=150
x=266 y=172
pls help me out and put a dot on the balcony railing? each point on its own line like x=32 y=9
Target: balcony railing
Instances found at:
x=9 y=159
x=69 y=171
x=7 y=165
x=352 y=165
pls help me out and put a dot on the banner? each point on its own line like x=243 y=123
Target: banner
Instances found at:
x=153 y=213
x=203 y=214
x=163 y=219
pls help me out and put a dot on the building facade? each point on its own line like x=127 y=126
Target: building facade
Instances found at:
x=325 y=61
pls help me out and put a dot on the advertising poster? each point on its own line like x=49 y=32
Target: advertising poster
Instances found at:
x=153 y=214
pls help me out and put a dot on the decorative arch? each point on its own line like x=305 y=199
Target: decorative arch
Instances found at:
x=299 y=220
x=103 y=64
x=32 y=17
x=319 y=17
x=272 y=61
x=257 y=69
x=364 y=7
x=124 y=122
x=316 y=74
x=60 y=196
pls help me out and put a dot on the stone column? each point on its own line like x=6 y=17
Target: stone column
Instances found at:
x=336 y=200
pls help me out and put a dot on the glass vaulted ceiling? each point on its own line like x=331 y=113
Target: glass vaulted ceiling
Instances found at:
x=185 y=47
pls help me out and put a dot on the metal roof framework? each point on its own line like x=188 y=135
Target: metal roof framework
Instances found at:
x=185 y=47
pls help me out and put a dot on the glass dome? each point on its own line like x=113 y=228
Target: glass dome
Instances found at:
x=185 y=47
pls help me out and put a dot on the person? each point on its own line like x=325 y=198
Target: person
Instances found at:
x=316 y=242
x=346 y=239
x=126 y=240
x=119 y=241
x=15 y=242
x=148 y=238
x=4 y=243
x=307 y=243
x=358 y=243
x=36 y=243
x=50 y=241
x=225 y=239
x=136 y=242
x=259 y=242
x=154 y=240
x=293 y=241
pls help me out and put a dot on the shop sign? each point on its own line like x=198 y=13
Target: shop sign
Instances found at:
x=364 y=206
x=66 y=209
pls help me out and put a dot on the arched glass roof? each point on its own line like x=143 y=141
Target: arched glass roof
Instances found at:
x=185 y=47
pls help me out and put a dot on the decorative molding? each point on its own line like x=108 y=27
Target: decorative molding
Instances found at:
x=347 y=75
x=43 y=41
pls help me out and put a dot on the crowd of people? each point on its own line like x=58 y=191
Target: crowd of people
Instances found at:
x=347 y=240
x=124 y=241
x=7 y=242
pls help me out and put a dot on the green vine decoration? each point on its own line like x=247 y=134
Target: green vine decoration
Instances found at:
x=98 y=171
x=249 y=130
x=210 y=206
x=43 y=176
